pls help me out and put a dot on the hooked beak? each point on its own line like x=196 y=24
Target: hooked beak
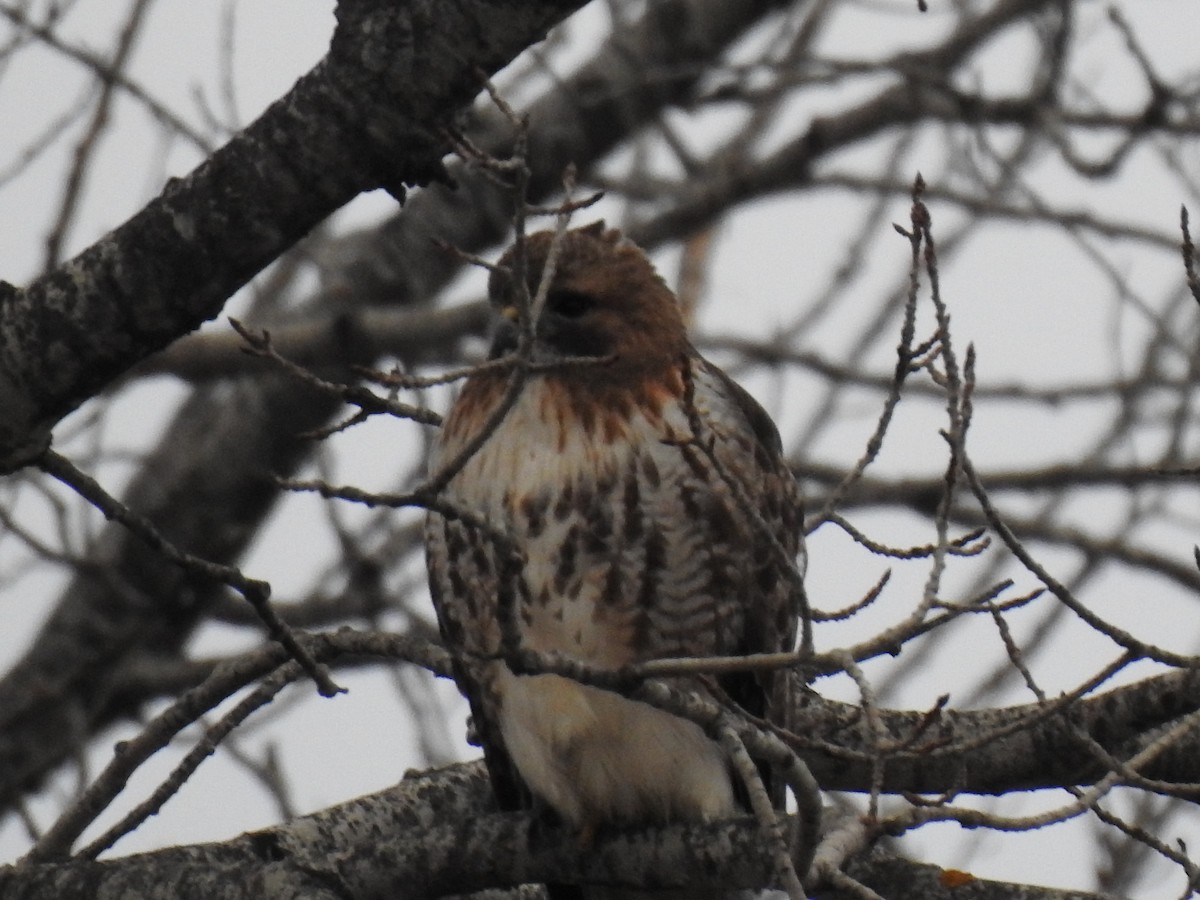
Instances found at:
x=506 y=333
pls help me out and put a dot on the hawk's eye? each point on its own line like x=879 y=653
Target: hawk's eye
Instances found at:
x=569 y=304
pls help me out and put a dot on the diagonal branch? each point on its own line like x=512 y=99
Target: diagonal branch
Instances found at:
x=346 y=127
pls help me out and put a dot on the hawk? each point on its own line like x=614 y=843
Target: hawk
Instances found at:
x=654 y=516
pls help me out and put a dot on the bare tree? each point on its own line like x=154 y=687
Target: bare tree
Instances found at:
x=983 y=374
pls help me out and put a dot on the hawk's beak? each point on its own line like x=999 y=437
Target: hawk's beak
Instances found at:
x=507 y=333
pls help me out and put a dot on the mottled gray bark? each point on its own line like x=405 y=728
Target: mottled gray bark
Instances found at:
x=366 y=116
x=995 y=751
x=901 y=879
x=439 y=833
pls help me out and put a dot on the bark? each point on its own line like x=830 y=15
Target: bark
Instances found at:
x=901 y=879
x=438 y=833
x=1017 y=748
x=366 y=116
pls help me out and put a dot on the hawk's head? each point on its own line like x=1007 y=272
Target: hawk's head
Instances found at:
x=605 y=300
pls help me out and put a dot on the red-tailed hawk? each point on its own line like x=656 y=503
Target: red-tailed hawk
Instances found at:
x=637 y=490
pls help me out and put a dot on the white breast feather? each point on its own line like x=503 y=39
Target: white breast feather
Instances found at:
x=595 y=757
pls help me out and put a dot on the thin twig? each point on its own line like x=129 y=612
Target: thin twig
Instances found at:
x=256 y=592
x=259 y=344
x=1117 y=635
x=105 y=73
x=846 y=612
x=1189 y=255
x=760 y=804
x=204 y=748
x=960 y=546
x=225 y=679
x=903 y=367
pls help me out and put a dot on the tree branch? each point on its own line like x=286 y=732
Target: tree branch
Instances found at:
x=365 y=116
x=383 y=845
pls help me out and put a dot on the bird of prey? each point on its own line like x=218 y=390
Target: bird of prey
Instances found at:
x=638 y=507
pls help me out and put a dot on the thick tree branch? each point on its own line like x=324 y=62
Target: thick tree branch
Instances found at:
x=438 y=833
x=994 y=751
x=365 y=117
